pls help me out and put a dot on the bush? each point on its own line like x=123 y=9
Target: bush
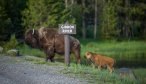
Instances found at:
x=26 y=50
x=11 y=44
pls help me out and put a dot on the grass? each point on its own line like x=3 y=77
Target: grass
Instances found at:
x=125 y=49
x=140 y=74
x=94 y=76
x=126 y=53
x=26 y=50
x=86 y=73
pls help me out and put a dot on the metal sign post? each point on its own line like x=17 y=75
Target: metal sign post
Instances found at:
x=67 y=29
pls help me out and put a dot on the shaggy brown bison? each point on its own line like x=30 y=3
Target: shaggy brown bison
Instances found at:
x=48 y=40
x=101 y=60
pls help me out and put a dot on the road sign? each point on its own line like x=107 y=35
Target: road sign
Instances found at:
x=67 y=29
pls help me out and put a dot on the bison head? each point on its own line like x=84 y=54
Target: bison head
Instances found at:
x=88 y=55
x=31 y=38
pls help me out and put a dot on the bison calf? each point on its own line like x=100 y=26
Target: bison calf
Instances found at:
x=101 y=60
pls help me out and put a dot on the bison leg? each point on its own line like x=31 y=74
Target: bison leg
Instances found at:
x=50 y=54
x=51 y=58
x=93 y=65
x=77 y=55
x=110 y=68
x=99 y=67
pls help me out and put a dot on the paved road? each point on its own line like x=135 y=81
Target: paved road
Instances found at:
x=16 y=70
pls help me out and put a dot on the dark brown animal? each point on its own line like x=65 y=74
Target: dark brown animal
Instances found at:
x=48 y=40
x=101 y=60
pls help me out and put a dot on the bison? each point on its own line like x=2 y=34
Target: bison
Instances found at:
x=48 y=40
x=101 y=60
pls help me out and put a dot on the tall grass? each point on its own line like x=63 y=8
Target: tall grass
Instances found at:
x=140 y=74
x=129 y=51
x=26 y=50
x=94 y=76
x=132 y=51
x=116 y=49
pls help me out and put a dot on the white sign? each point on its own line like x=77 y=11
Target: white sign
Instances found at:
x=67 y=29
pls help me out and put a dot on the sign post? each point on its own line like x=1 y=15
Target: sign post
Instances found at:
x=67 y=49
x=67 y=29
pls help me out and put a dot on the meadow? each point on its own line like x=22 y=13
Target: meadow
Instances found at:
x=130 y=54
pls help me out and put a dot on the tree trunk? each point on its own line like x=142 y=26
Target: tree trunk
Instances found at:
x=72 y=2
x=83 y=21
x=95 y=20
x=127 y=27
x=127 y=20
x=66 y=3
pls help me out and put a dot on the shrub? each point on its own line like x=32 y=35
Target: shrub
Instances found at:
x=11 y=44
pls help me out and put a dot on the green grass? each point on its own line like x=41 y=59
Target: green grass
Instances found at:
x=88 y=73
x=132 y=52
x=140 y=74
x=115 y=49
x=126 y=50
x=94 y=76
x=26 y=50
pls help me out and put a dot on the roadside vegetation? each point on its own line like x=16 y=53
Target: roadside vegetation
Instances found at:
x=130 y=54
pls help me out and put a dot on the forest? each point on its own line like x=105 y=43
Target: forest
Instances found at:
x=95 y=19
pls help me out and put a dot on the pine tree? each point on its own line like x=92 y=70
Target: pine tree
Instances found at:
x=5 y=22
x=95 y=19
x=47 y=13
x=36 y=14
x=83 y=20
x=109 y=20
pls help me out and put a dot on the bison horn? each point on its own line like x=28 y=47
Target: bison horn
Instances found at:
x=32 y=31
